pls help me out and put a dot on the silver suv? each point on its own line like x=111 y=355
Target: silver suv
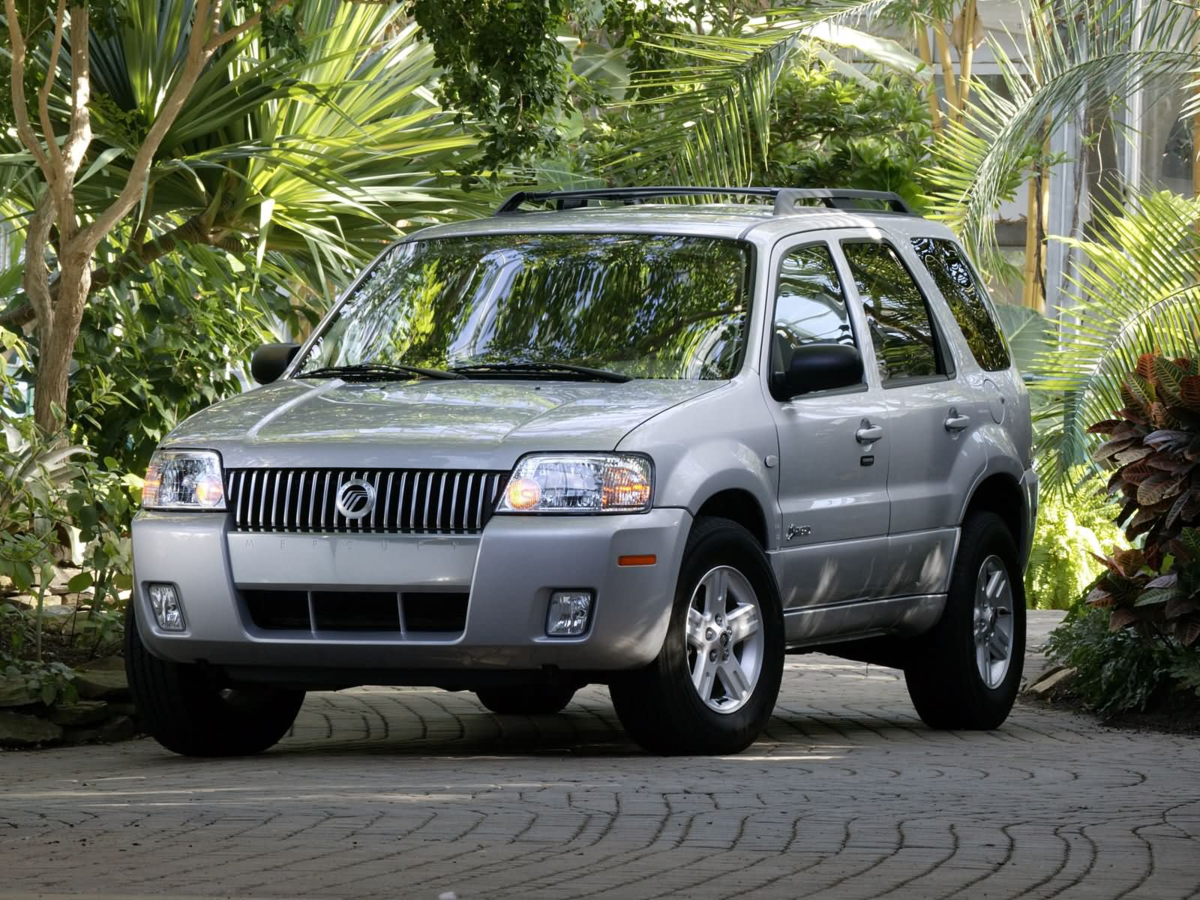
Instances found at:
x=620 y=439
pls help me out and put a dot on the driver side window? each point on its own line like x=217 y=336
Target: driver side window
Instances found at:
x=810 y=307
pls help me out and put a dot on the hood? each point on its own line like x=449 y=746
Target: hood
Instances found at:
x=483 y=423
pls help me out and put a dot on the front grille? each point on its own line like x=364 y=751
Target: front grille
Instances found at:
x=407 y=501
x=401 y=613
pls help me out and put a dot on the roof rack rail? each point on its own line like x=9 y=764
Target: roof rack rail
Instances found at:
x=839 y=198
x=785 y=199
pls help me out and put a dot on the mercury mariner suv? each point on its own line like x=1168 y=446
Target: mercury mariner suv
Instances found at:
x=617 y=438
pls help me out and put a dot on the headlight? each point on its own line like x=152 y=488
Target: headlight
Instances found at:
x=184 y=479
x=579 y=483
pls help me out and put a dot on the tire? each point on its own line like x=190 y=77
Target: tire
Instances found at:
x=535 y=700
x=187 y=711
x=945 y=675
x=659 y=705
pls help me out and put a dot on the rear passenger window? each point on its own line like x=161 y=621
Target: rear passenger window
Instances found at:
x=810 y=307
x=898 y=317
x=967 y=300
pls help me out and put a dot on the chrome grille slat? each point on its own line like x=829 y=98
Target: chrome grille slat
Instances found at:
x=300 y=499
x=412 y=513
x=275 y=500
x=428 y=493
x=454 y=501
x=387 y=501
x=407 y=501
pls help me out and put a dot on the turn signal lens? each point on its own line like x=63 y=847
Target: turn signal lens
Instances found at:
x=524 y=493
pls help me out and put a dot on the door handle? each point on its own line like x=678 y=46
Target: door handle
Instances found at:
x=955 y=422
x=868 y=433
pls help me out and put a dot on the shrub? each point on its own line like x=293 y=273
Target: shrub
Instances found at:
x=1070 y=535
x=1115 y=671
x=1155 y=445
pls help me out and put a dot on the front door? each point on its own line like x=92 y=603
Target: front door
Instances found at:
x=833 y=444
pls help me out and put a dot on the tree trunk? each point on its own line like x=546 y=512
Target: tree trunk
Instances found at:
x=57 y=346
x=931 y=97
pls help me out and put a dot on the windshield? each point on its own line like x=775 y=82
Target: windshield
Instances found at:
x=644 y=306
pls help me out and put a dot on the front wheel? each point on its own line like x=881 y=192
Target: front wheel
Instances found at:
x=965 y=673
x=713 y=686
x=190 y=713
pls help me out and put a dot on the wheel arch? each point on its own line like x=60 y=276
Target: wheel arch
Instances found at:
x=1000 y=493
x=741 y=506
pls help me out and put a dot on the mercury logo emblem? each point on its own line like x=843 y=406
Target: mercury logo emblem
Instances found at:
x=355 y=498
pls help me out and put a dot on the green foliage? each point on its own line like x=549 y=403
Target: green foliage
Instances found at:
x=57 y=503
x=283 y=174
x=1155 y=449
x=186 y=336
x=1116 y=671
x=1080 y=54
x=1070 y=533
x=50 y=683
x=101 y=504
x=705 y=117
x=503 y=65
x=832 y=130
x=1138 y=293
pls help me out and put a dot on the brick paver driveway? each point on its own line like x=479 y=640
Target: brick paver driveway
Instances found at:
x=412 y=794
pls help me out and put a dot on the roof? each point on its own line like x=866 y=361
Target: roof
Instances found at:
x=719 y=220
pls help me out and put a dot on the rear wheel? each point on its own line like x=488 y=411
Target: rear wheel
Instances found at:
x=526 y=701
x=713 y=685
x=965 y=673
x=189 y=712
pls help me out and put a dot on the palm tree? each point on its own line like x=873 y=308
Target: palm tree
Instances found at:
x=1138 y=287
x=1140 y=293
x=202 y=140
x=1080 y=54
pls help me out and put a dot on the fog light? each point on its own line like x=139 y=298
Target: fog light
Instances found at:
x=167 y=609
x=569 y=613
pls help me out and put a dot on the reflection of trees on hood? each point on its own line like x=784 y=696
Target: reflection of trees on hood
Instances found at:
x=654 y=305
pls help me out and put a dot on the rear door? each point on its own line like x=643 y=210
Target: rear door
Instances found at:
x=833 y=445
x=931 y=417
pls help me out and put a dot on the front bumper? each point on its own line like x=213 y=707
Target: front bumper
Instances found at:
x=508 y=572
x=1029 y=490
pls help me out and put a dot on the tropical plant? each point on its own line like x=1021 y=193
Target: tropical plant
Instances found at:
x=300 y=142
x=1079 y=55
x=34 y=474
x=707 y=118
x=1141 y=291
x=1115 y=671
x=836 y=130
x=1070 y=534
x=1155 y=445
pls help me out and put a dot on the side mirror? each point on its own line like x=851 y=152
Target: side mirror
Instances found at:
x=271 y=360
x=818 y=367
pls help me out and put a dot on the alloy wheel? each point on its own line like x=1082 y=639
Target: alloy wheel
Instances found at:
x=725 y=641
x=993 y=621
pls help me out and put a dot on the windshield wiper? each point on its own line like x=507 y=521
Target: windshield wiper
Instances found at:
x=543 y=368
x=378 y=372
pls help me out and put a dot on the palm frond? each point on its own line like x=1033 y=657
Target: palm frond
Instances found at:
x=1140 y=293
x=1078 y=52
x=713 y=123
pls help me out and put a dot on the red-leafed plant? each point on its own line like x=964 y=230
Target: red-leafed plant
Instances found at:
x=1155 y=445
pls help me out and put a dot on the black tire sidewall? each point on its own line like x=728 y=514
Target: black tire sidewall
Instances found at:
x=659 y=704
x=944 y=678
x=180 y=707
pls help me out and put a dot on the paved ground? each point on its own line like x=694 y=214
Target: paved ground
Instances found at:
x=412 y=794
